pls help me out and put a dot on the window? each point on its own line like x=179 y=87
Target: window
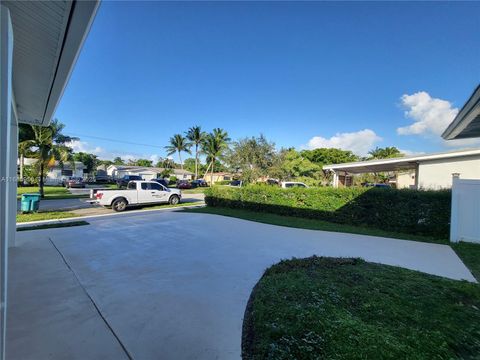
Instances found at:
x=67 y=172
x=155 y=186
x=144 y=186
x=131 y=186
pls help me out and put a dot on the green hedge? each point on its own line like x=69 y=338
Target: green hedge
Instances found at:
x=407 y=211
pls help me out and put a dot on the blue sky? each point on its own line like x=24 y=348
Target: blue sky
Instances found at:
x=310 y=74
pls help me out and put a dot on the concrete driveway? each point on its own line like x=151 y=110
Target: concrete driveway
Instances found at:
x=168 y=285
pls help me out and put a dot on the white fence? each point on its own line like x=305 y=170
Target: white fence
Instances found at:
x=465 y=221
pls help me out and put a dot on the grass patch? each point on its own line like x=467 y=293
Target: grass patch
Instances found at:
x=199 y=190
x=327 y=308
x=312 y=224
x=52 y=226
x=470 y=255
x=167 y=206
x=44 y=215
x=51 y=192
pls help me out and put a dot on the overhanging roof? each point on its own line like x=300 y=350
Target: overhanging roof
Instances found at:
x=48 y=36
x=401 y=163
x=467 y=122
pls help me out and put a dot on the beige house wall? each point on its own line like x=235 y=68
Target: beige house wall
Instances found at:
x=437 y=174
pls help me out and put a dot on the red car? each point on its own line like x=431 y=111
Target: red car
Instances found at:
x=184 y=184
x=75 y=182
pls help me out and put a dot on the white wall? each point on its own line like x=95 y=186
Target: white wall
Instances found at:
x=406 y=180
x=437 y=174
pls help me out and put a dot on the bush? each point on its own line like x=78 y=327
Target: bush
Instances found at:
x=172 y=180
x=407 y=211
x=223 y=182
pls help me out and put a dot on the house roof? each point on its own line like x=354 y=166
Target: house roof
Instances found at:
x=150 y=169
x=48 y=36
x=400 y=163
x=467 y=122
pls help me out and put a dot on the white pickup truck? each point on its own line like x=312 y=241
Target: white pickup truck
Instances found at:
x=137 y=193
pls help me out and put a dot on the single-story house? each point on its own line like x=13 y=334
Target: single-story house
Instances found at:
x=147 y=173
x=428 y=171
x=55 y=175
x=218 y=176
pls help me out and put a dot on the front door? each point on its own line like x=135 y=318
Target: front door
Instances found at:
x=151 y=192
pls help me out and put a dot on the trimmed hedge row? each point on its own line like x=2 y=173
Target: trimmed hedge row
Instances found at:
x=408 y=211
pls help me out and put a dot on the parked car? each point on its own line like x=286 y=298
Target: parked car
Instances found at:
x=199 y=183
x=378 y=185
x=123 y=182
x=236 y=183
x=137 y=193
x=184 y=184
x=292 y=184
x=161 y=181
x=103 y=179
x=74 y=182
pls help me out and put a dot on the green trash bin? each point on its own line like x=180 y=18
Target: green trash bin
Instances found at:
x=30 y=202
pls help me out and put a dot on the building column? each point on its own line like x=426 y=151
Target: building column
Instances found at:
x=454 y=208
x=335 y=179
x=7 y=177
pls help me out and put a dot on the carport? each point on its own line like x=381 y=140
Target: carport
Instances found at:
x=39 y=45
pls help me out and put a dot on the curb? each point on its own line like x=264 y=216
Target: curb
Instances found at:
x=76 y=218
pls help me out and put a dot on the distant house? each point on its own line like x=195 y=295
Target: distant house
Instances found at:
x=147 y=173
x=218 y=176
x=428 y=171
x=56 y=174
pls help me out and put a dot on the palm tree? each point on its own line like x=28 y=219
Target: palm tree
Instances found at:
x=214 y=146
x=195 y=135
x=49 y=145
x=178 y=143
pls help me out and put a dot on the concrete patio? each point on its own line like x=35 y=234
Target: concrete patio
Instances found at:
x=169 y=285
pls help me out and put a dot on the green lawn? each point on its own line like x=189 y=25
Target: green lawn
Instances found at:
x=326 y=308
x=51 y=192
x=470 y=255
x=311 y=224
x=46 y=215
x=194 y=191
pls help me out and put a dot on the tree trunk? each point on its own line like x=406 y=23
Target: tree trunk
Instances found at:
x=211 y=173
x=42 y=195
x=196 y=161
x=180 y=158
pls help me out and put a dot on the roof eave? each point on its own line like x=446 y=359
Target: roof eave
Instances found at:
x=470 y=112
x=81 y=19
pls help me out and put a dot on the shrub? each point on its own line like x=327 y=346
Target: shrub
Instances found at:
x=172 y=180
x=408 y=211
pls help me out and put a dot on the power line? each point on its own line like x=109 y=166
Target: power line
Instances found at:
x=115 y=140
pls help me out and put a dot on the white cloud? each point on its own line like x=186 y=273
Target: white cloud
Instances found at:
x=359 y=142
x=429 y=115
x=82 y=146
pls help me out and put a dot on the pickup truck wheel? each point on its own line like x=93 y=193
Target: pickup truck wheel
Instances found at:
x=174 y=200
x=119 y=204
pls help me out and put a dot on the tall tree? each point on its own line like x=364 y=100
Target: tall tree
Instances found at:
x=326 y=156
x=195 y=135
x=253 y=156
x=144 y=162
x=118 y=161
x=49 y=145
x=89 y=160
x=384 y=153
x=214 y=146
x=178 y=144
